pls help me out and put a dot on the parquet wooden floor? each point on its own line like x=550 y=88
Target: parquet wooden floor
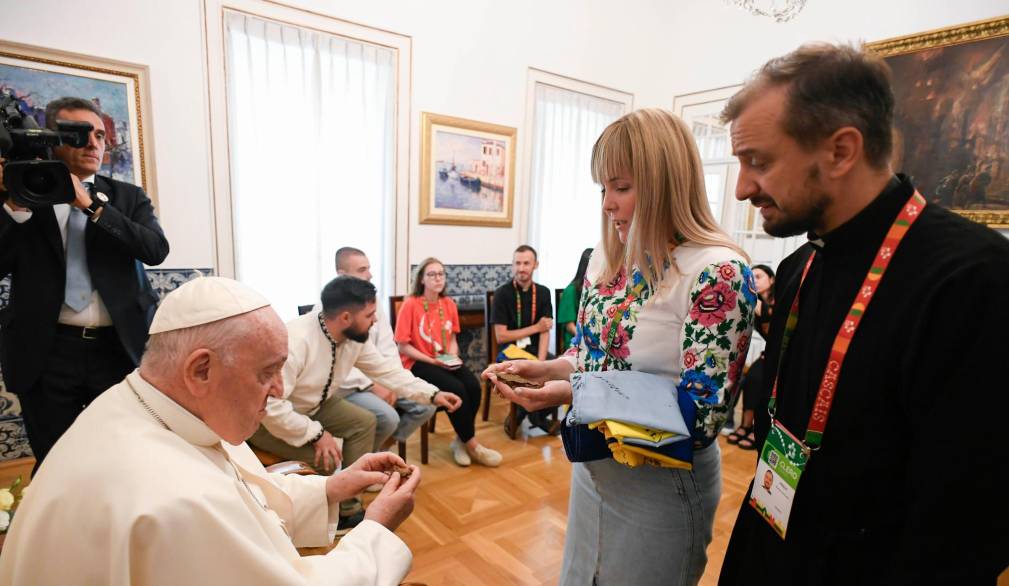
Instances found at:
x=505 y=526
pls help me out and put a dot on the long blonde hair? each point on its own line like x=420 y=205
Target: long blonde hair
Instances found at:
x=656 y=148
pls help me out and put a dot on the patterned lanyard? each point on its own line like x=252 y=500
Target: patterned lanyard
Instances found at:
x=839 y=350
x=441 y=325
x=518 y=304
x=332 y=364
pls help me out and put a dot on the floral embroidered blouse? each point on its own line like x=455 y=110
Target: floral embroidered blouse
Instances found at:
x=695 y=329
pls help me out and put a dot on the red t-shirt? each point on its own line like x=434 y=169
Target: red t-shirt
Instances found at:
x=428 y=329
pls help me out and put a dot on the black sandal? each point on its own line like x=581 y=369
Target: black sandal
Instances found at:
x=740 y=433
x=751 y=442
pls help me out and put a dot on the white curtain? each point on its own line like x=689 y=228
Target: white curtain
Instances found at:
x=311 y=120
x=565 y=203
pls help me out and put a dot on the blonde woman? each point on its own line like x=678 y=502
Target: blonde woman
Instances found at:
x=667 y=293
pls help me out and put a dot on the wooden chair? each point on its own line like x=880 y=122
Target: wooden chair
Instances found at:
x=558 y=330
x=278 y=465
x=490 y=342
x=492 y=352
x=395 y=303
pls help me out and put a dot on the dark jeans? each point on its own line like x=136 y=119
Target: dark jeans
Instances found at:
x=459 y=382
x=77 y=371
x=539 y=418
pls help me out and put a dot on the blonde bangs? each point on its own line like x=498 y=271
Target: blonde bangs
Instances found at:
x=671 y=204
x=611 y=154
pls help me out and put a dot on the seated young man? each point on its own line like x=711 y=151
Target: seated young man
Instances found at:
x=396 y=417
x=521 y=314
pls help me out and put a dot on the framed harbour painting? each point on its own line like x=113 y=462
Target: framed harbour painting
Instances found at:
x=36 y=76
x=467 y=172
x=952 y=116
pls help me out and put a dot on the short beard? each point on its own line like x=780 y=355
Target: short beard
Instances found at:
x=793 y=226
x=355 y=336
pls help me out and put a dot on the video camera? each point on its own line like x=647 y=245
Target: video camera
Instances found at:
x=31 y=176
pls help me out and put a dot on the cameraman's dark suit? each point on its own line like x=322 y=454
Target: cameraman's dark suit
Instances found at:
x=56 y=370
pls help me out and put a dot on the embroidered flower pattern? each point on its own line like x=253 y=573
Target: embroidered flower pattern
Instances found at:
x=715 y=301
x=715 y=340
x=599 y=343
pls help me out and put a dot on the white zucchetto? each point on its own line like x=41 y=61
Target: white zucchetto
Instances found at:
x=204 y=300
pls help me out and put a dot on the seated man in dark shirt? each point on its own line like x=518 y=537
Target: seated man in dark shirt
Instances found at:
x=522 y=312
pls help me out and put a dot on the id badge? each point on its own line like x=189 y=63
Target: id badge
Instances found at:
x=782 y=461
x=524 y=342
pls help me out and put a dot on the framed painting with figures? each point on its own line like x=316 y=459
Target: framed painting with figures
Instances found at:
x=952 y=116
x=467 y=172
x=36 y=76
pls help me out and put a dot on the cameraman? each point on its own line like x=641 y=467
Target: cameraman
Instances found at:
x=80 y=302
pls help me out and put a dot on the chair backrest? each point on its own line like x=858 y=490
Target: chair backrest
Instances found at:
x=303 y=309
x=558 y=329
x=491 y=338
x=395 y=302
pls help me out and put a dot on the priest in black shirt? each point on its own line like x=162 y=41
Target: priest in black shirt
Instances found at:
x=909 y=480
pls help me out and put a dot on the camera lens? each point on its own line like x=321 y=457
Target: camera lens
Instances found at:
x=39 y=181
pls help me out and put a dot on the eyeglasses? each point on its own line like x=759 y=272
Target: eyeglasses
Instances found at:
x=435 y=275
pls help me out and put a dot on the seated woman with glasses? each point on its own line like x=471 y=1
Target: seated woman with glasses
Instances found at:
x=426 y=331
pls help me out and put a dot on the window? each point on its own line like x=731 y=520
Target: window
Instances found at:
x=701 y=112
x=567 y=118
x=310 y=139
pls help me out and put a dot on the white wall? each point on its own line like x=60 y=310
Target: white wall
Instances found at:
x=469 y=60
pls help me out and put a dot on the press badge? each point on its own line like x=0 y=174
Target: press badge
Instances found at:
x=781 y=463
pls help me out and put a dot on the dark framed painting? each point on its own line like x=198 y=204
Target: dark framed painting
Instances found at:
x=952 y=116
x=36 y=76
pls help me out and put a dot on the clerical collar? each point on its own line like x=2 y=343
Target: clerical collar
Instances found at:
x=868 y=227
x=170 y=414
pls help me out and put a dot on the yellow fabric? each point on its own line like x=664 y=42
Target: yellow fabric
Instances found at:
x=633 y=456
x=513 y=352
x=621 y=430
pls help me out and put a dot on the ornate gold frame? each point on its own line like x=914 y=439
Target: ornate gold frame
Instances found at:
x=945 y=37
x=430 y=215
x=141 y=97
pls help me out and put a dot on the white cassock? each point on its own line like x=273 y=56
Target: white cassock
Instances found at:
x=122 y=500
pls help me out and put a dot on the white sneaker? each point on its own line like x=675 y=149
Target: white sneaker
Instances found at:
x=487 y=457
x=459 y=453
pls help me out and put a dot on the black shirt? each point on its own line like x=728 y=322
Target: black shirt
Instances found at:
x=909 y=485
x=503 y=311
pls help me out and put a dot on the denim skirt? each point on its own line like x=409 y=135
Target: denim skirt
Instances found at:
x=643 y=525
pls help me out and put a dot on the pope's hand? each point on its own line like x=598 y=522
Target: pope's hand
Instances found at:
x=367 y=470
x=395 y=503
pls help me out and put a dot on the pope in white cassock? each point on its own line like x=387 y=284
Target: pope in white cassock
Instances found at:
x=154 y=484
